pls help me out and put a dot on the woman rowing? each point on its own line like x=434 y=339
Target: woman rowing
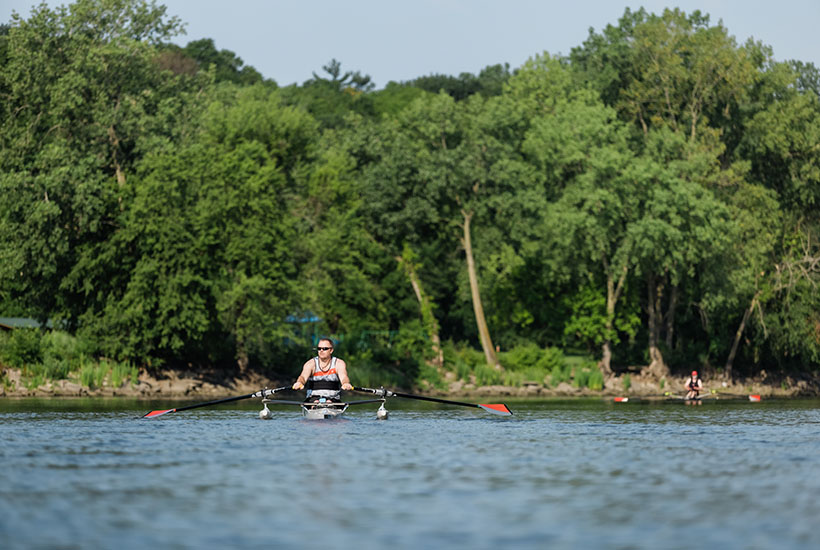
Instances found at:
x=324 y=376
x=695 y=385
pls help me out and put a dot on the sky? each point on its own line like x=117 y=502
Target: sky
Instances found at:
x=399 y=40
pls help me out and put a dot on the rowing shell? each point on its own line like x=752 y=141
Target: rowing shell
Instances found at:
x=323 y=410
x=681 y=398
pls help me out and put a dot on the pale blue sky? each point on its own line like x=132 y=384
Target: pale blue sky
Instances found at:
x=403 y=39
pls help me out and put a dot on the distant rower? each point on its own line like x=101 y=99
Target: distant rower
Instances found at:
x=695 y=385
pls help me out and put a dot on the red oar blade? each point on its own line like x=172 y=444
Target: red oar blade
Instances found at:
x=500 y=408
x=154 y=414
x=754 y=397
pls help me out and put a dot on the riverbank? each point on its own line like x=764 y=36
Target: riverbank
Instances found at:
x=213 y=384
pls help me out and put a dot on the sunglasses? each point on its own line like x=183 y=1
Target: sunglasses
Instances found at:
x=323 y=349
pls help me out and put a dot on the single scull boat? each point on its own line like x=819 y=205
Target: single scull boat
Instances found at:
x=322 y=409
x=669 y=396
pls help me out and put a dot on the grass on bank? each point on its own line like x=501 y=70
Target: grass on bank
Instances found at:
x=44 y=357
x=523 y=365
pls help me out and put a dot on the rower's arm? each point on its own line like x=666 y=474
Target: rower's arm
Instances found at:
x=302 y=379
x=341 y=370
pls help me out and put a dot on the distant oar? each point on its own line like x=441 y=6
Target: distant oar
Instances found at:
x=496 y=408
x=260 y=393
x=751 y=397
x=711 y=395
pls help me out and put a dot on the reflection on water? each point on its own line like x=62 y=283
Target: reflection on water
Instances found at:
x=559 y=474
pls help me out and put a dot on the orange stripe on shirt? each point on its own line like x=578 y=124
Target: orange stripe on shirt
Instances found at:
x=323 y=373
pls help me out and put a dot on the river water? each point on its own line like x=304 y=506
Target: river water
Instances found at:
x=558 y=474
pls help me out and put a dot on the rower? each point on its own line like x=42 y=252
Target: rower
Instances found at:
x=324 y=376
x=695 y=385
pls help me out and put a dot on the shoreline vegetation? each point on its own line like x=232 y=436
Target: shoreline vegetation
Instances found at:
x=597 y=223
x=181 y=384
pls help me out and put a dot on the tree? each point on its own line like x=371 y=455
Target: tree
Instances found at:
x=227 y=65
x=680 y=82
x=440 y=169
x=585 y=150
x=79 y=85
x=207 y=245
x=330 y=99
x=489 y=82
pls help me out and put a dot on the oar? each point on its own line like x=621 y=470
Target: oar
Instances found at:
x=666 y=395
x=498 y=408
x=260 y=393
x=751 y=397
x=363 y=401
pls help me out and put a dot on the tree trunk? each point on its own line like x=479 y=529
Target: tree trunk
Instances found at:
x=657 y=367
x=115 y=144
x=242 y=360
x=478 y=309
x=605 y=365
x=428 y=319
x=746 y=314
x=669 y=318
x=613 y=293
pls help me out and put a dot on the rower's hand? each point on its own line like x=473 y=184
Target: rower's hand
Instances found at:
x=298 y=386
x=347 y=386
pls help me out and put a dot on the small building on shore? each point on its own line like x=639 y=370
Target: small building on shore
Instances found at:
x=8 y=324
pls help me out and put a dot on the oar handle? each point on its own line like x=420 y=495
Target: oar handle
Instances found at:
x=381 y=392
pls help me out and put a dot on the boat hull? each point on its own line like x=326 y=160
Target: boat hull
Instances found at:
x=323 y=411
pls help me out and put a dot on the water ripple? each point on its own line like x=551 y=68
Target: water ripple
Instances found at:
x=558 y=474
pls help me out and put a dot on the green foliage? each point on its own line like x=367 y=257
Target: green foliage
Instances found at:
x=626 y=380
x=330 y=99
x=123 y=372
x=373 y=368
x=21 y=347
x=532 y=356
x=432 y=377
x=487 y=375
x=394 y=98
x=57 y=355
x=560 y=374
x=489 y=82
x=168 y=205
x=72 y=123
x=596 y=380
x=228 y=66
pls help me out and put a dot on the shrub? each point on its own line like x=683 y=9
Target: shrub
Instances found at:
x=21 y=347
x=123 y=372
x=371 y=369
x=57 y=345
x=432 y=376
x=92 y=375
x=487 y=375
x=462 y=360
x=596 y=380
x=581 y=378
x=560 y=373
